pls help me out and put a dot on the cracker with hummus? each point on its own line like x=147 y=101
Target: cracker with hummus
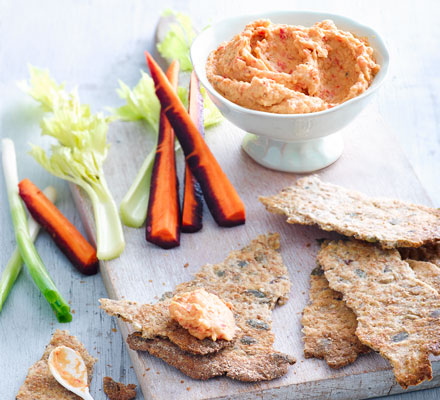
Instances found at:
x=392 y=223
x=40 y=384
x=398 y=314
x=153 y=320
x=289 y=69
x=253 y=280
x=329 y=326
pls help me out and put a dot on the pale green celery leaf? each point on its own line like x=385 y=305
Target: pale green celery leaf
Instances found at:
x=75 y=166
x=178 y=39
x=183 y=95
x=141 y=102
x=44 y=89
x=71 y=132
x=211 y=114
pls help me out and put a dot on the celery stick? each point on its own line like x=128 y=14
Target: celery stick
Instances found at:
x=134 y=205
x=26 y=247
x=15 y=263
x=79 y=154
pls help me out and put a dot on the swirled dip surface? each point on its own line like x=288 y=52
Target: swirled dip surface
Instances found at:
x=290 y=69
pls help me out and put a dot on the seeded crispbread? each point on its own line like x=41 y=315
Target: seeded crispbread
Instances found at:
x=40 y=384
x=329 y=326
x=393 y=223
x=397 y=313
x=241 y=362
x=253 y=279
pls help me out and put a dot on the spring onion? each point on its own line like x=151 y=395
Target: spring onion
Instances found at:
x=79 y=155
x=15 y=263
x=25 y=244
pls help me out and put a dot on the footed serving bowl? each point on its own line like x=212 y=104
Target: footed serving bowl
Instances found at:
x=289 y=142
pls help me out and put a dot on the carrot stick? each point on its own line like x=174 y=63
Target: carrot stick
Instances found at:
x=163 y=215
x=192 y=210
x=221 y=197
x=70 y=241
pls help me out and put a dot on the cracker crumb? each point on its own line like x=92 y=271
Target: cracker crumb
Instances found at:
x=117 y=390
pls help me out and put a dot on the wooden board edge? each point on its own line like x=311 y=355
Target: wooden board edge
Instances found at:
x=361 y=386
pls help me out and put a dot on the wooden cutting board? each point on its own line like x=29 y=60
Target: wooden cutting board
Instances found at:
x=372 y=162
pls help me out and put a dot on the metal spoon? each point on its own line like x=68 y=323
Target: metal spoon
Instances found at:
x=68 y=368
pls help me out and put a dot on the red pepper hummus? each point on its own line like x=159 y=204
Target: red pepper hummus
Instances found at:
x=289 y=69
x=204 y=315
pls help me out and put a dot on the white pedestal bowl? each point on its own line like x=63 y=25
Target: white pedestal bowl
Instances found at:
x=289 y=142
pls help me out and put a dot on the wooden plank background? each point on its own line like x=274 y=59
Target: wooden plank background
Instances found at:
x=92 y=44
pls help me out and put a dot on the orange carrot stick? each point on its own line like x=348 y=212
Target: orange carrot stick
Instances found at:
x=163 y=215
x=70 y=241
x=192 y=210
x=221 y=197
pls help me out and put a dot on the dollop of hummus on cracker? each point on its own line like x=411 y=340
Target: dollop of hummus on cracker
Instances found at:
x=289 y=69
x=204 y=315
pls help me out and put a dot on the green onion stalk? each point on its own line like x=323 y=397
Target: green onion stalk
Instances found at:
x=26 y=247
x=15 y=263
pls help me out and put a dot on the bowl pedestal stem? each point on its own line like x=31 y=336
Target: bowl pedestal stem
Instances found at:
x=299 y=156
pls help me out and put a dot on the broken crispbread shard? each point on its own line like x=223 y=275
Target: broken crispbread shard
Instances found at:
x=392 y=223
x=430 y=253
x=253 y=279
x=426 y=272
x=329 y=326
x=398 y=314
x=40 y=384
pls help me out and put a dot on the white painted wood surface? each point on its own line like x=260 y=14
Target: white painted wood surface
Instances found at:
x=92 y=44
